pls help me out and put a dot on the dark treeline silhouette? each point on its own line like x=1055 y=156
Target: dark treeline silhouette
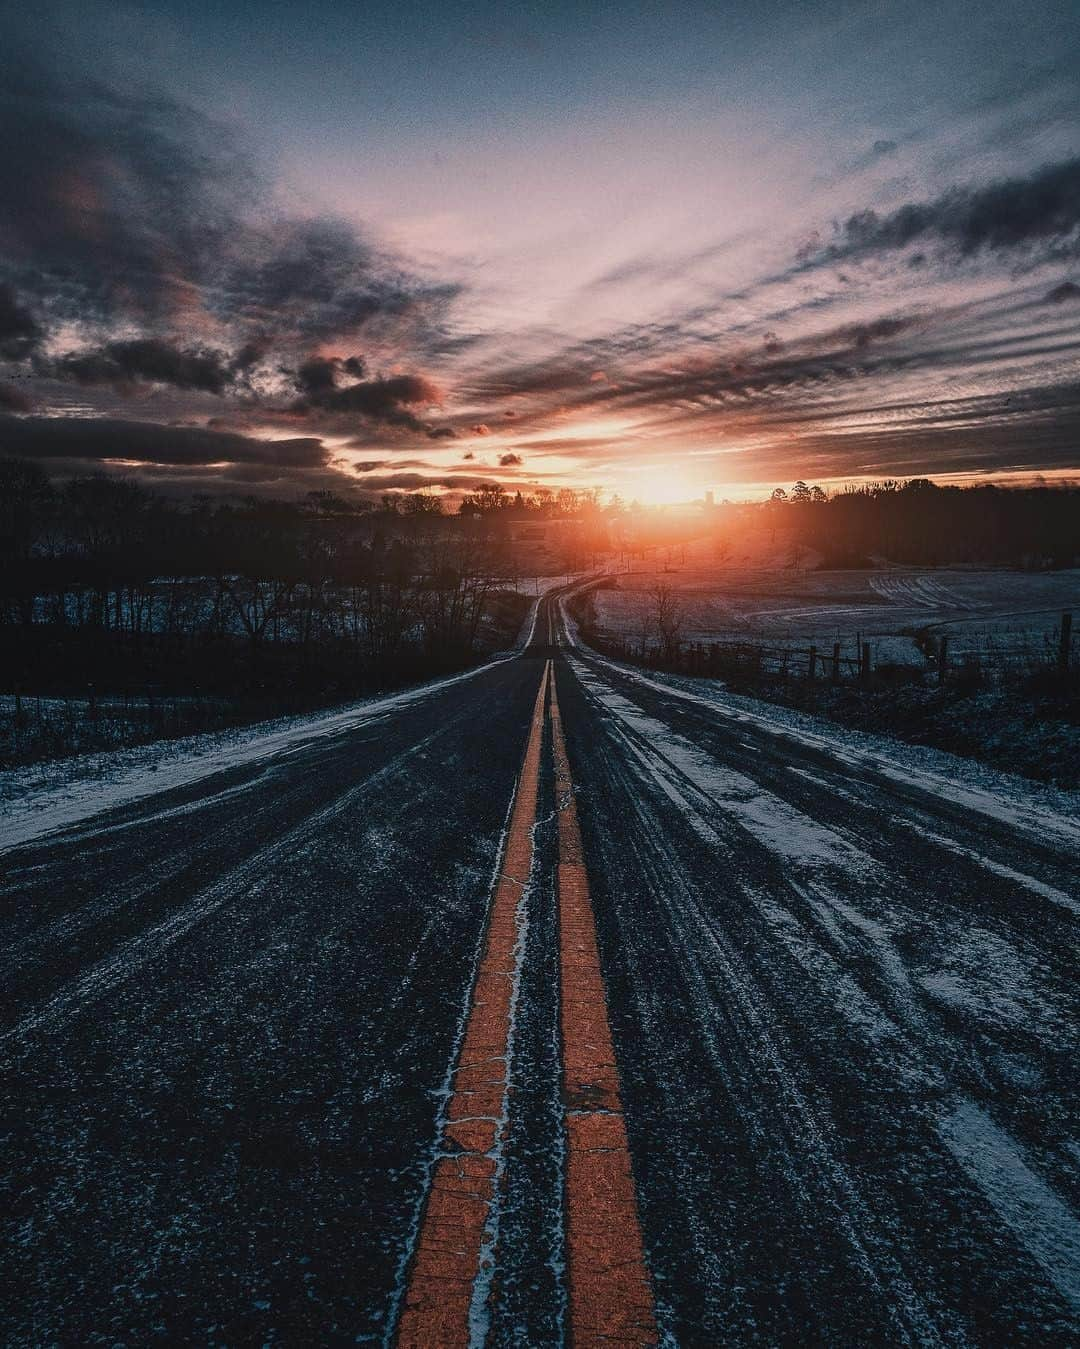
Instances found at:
x=107 y=586
x=920 y=523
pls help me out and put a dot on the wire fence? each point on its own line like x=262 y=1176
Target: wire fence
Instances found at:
x=990 y=660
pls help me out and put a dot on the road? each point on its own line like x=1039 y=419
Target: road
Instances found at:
x=556 y=1003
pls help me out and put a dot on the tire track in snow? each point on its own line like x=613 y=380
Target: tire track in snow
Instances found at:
x=133 y=954
x=812 y=1156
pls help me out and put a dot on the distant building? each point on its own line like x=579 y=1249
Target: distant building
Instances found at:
x=709 y=502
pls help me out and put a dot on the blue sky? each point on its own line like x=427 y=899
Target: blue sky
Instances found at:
x=652 y=248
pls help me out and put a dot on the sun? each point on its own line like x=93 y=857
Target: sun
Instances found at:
x=660 y=485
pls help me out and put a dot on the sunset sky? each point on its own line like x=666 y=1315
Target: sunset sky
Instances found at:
x=654 y=248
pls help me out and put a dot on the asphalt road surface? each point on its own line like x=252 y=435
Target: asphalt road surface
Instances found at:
x=559 y=1003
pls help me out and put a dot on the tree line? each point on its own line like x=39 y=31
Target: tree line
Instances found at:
x=102 y=571
x=924 y=524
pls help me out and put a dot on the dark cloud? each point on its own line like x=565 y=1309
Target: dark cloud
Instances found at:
x=1020 y=431
x=442 y=433
x=317 y=279
x=828 y=377
x=100 y=438
x=20 y=332
x=1068 y=290
x=389 y=400
x=547 y=377
x=132 y=209
x=124 y=201
x=320 y=374
x=1009 y=214
x=317 y=376
x=884 y=147
x=404 y=481
x=149 y=360
x=251 y=352
x=14 y=400
x=863 y=334
x=510 y=460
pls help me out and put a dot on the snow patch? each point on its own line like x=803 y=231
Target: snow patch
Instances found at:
x=778 y=826
x=1022 y=1199
x=49 y=797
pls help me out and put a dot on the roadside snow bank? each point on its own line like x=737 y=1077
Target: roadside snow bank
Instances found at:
x=1035 y=809
x=41 y=798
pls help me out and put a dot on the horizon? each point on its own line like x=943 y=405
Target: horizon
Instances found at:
x=654 y=253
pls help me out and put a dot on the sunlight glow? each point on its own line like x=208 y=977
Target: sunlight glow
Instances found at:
x=658 y=485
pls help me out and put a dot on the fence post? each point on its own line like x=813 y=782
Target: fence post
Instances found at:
x=864 y=668
x=836 y=662
x=811 y=664
x=1065 y=642
x=943 y=659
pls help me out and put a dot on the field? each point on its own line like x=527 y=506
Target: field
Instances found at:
x=995 y=614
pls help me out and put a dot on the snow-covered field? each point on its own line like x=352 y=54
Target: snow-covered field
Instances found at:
x=989 y=612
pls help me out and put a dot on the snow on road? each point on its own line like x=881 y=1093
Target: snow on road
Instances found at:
x=1037 y=811
x=993 y=1160
x=788 y=833
x=841 y=906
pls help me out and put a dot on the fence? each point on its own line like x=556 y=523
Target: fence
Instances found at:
x=33 y=728
x=851 y=662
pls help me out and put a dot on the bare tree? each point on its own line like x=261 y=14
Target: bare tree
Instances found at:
x=645 y=628
x=668 y=617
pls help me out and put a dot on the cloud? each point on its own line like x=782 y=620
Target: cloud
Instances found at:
x=544 y=377
x=389 y=400
x=103 y=438
x=510 y=460
x=124 y=200
x=137 y=215
x=862 y=334
x=318 y=375
x=150 y=360
x=14 y=400
x=20 y=332
x=479 y=429
x=1005 y=215
x=410 y=481
x=1068 y=290
x=442 y=433
x=312 y=280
